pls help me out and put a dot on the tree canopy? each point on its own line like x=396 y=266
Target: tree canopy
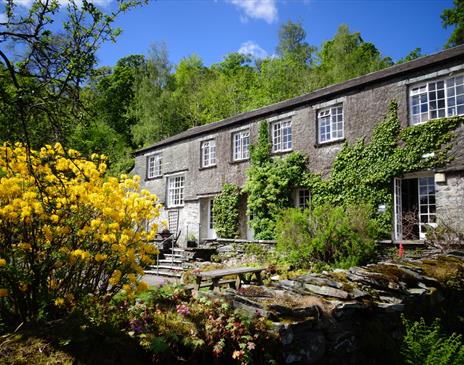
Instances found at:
x=454 y=17
x=54 y=92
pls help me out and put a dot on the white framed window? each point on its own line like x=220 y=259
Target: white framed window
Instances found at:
x=241 y=144
x=281 y=133
x=437 y=99
x=154 y=166
x=330 y=124
x=303 y=198
x=176 y=191
x=208 y=153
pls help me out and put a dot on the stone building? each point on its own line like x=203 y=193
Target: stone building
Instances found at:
x=187 y=170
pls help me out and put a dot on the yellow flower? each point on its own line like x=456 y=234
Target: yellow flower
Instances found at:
x=142 y=287
x=3 y=292
x=2 y=262
x=59 y=302
x=100 y=257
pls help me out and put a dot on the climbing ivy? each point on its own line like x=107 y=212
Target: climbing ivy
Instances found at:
x=225 y=212
x=362 y=172
x=270 y=184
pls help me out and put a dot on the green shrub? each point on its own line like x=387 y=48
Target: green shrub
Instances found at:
x=341 y=236
x=427 y=345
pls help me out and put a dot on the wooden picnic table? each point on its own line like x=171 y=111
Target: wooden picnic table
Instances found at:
x=216 y=275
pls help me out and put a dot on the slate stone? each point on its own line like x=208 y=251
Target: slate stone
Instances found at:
x=391 y=307
x=317 y=280
x=327 y=291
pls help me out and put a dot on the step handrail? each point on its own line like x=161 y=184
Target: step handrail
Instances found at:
x=174 y=238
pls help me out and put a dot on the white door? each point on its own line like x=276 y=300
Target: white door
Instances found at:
x=398 y=212
x=211 y=231
x=427 y=204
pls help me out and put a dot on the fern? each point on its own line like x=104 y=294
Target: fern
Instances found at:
x=423 y=344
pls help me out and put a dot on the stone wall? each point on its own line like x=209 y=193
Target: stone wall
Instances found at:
x=450 y=199
x=353 y=316
x=362 y=107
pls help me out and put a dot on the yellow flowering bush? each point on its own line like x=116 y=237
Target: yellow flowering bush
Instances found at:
x=66 y=231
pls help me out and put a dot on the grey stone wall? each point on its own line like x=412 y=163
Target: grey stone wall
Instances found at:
x=363 y=108
x=450 y=200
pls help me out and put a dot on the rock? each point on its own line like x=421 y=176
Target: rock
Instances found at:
x=275 y=278
x=296 y=313
x=309 y=350
x=417 y=291
x=315 y=280
x=355 y=293
x=327 y=291
x=391 y=307
x=226 y=248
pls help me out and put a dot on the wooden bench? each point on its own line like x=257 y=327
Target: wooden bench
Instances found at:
x=216 y=275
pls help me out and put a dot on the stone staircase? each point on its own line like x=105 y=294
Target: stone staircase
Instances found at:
x=172 y=265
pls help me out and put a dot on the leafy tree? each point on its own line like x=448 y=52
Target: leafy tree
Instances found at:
x=115 y=94
x=152 y=106
x=292 y=43
x=454 y=17
x=46 y=68
x=415 y=53
x=347 y=55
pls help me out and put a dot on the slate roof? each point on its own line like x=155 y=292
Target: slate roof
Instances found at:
x=329 y=91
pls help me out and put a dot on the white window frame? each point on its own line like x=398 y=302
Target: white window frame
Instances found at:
x=154 y=166
x=241 y=145
x=437 y=98
x=330 y=124
x=282 y=135
x=208 y=153
x=303 y=198
x=175 y=190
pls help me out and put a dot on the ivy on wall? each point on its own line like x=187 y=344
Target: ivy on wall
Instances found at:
x=225 y=212
x=362 y=172
x=270 y=184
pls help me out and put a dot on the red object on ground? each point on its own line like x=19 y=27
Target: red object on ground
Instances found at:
x=401 y=251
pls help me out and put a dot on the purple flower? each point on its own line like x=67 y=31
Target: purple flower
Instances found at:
x=182 y=309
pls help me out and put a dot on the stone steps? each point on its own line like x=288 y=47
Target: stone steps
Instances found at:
x=172 y=265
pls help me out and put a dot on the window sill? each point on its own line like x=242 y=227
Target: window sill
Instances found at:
x=174 y=207
x=329 y=143
x=154 y=178
x=283 y=152
x=207 y=167
x=239 y=161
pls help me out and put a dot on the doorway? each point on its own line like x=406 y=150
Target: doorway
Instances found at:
x=415 y=207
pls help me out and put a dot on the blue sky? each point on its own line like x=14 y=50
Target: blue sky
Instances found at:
x=213 y=29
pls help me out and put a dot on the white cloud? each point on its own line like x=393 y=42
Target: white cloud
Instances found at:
x=259 y=9
x=253 y=49
x=3 y=18
x=25 y=3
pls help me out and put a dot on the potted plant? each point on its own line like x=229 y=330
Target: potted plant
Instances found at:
x=191 y=240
